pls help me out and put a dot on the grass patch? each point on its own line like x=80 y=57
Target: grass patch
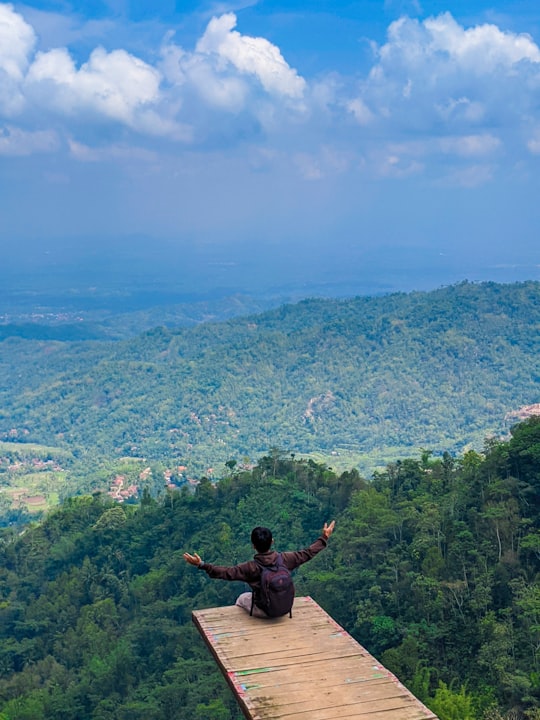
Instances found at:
x=35 y=450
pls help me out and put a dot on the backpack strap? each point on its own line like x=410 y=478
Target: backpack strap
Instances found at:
x=253 y=592
x=280 y=563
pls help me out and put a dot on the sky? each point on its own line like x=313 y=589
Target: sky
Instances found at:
x=392 y=141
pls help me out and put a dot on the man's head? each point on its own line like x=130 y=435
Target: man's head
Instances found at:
x=261 y=539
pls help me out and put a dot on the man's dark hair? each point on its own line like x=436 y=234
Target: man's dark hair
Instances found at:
x=261 y=538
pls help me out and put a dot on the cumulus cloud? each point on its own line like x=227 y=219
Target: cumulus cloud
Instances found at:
x=437 y=92
x=225 y=71
x=439 y=49
x=250 y=56
x=213 y=86
x=17 y=40
x=481 y=49
x=235 y=75
x=436 y=73
x=113 y=84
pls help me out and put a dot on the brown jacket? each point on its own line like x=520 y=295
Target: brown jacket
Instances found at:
x=250 y=572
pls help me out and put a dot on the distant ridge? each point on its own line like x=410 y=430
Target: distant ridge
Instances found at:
x=363 y=380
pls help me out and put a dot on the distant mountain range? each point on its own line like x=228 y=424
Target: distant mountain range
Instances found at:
x=359 y=381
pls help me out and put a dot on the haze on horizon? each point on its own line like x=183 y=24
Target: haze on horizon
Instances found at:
x=258 y=146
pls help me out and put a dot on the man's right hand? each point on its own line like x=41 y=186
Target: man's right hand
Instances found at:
x=192 y=559
x=328 y=529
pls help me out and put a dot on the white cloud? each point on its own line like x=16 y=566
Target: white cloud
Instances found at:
x=470 y=145
x=231 y=86
x=172 y=61
x=250 y=56
x=85 y=153
x=437 y=71
x=217 y=89
x=114 y=84
x=481 y=49
x=471 y=176
x=461 y=110
x=361 y=112
x=404 y=159
x=160 y=122
x=14 y=141
x=394 y=165
x=226 y=72
x=440 y=43
x=17 y=40
x=438 y=92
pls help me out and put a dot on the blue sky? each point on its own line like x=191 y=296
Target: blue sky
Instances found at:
x=356 y=136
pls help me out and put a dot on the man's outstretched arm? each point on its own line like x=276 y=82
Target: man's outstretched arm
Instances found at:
x=294 y=559
x=244 y=572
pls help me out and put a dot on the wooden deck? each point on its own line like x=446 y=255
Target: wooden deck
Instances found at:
x=302 y=668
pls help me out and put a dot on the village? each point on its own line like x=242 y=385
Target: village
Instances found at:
x=122 y=490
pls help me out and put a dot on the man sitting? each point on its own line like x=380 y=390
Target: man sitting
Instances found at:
x=251 y=571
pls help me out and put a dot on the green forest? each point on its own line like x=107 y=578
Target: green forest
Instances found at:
x=433 y=567
x=357 y=382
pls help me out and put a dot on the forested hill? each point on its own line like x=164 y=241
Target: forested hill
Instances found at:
x=433 y=566
x=371 y=377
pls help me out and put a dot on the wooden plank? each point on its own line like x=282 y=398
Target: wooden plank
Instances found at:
x=302 y=668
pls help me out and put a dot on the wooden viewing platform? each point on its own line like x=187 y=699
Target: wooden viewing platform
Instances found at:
x=302 y=668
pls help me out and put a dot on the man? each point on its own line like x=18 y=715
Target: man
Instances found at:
x=250 y=571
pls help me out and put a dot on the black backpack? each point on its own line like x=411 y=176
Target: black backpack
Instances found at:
x=277 y=589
